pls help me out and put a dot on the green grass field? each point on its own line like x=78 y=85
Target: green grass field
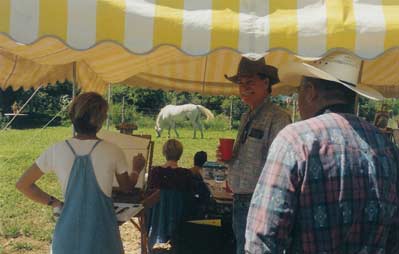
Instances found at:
x=26 y=227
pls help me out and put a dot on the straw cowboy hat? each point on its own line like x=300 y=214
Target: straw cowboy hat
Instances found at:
x=248 y=67
x=339 y=67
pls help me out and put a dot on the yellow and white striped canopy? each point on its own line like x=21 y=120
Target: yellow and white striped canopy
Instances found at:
x=187 y=44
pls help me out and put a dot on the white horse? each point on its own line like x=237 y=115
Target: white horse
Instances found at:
x=170 y=114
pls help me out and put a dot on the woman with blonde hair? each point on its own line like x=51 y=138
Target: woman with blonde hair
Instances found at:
x=170 y=194
x=170 y=175
x=85 y=167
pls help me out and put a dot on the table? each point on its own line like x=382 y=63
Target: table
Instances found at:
x=222 y=209
x=218 y=192
x=134 y=199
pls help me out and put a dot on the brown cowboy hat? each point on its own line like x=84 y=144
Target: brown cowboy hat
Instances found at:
x=248 y=67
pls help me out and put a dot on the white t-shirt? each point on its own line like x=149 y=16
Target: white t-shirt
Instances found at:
x=107 y=159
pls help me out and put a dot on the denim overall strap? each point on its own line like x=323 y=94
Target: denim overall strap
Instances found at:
x=70 y=146
x=88 y=222
x=98 y=142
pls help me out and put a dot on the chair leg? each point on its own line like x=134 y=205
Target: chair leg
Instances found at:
x=137 y=226
x=144 y=239
x=140 y=226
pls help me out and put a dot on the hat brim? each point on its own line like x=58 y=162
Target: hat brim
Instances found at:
x=235 y=78
x=292 y=74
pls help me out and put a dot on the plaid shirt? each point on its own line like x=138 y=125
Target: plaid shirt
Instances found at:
x=330 y=185
x=257 y=130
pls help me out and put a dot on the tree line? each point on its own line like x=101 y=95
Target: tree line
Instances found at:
x=135 y=103
x=139 y=104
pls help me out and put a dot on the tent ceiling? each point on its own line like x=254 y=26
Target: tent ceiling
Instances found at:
x=187 y=44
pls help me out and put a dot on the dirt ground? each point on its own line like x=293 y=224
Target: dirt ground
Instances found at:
x=131 y=238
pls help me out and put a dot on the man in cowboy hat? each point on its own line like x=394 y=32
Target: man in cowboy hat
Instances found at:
x=331 y=182
x=257 y=129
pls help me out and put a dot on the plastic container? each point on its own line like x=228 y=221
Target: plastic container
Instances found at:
x=219 y=175
x=210 y=168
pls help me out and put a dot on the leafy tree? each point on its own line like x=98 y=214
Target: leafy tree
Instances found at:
x=145 y=101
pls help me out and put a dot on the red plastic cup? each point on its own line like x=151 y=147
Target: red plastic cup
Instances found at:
x=226 y=148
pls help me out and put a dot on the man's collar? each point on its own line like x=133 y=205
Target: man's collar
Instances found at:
x=335 y=108
x=266 y=102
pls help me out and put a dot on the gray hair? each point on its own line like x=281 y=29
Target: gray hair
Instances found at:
x=330 y=90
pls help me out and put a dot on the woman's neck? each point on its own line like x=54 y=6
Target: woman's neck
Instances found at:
x=85 y=136
x=171 y=164
x=196 y=169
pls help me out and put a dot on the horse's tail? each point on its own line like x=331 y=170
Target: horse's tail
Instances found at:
x=157 y=122
x=206 y=112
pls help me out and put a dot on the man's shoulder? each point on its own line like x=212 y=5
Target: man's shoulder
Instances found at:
x=307 y=125
x=279 y=112
x=295 y=130
x=291 y=129
x=317 y=126
x=275 y=111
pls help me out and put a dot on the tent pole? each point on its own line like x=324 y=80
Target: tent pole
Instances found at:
x=74 y=80
x=231 y=113
x=293 y=108
x=203 y=78
x=73 y=89
x=123 y=109
x=359 y=79
x=73 y=97
x=109 y=105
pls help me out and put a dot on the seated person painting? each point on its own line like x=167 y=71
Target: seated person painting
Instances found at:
x=172 y=196
x=170 y=189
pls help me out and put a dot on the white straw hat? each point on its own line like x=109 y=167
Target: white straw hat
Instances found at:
x=338 y=67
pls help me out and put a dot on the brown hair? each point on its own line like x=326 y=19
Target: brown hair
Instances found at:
x=266 y=79
x=88 y=112
x=172 y=150
x=200 y=158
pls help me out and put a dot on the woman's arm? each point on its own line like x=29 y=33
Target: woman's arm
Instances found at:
x=26 y=185
x=126 y=182
x=152 y=193
x=137 y=166
x=151 y=199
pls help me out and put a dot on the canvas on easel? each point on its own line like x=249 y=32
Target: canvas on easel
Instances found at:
x=131 y=146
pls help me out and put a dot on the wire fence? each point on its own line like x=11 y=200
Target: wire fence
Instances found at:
x=33 y=138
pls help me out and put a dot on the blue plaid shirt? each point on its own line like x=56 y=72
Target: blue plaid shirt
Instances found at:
x=330 y=185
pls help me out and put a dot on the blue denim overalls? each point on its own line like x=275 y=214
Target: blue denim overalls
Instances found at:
x=87 y=223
